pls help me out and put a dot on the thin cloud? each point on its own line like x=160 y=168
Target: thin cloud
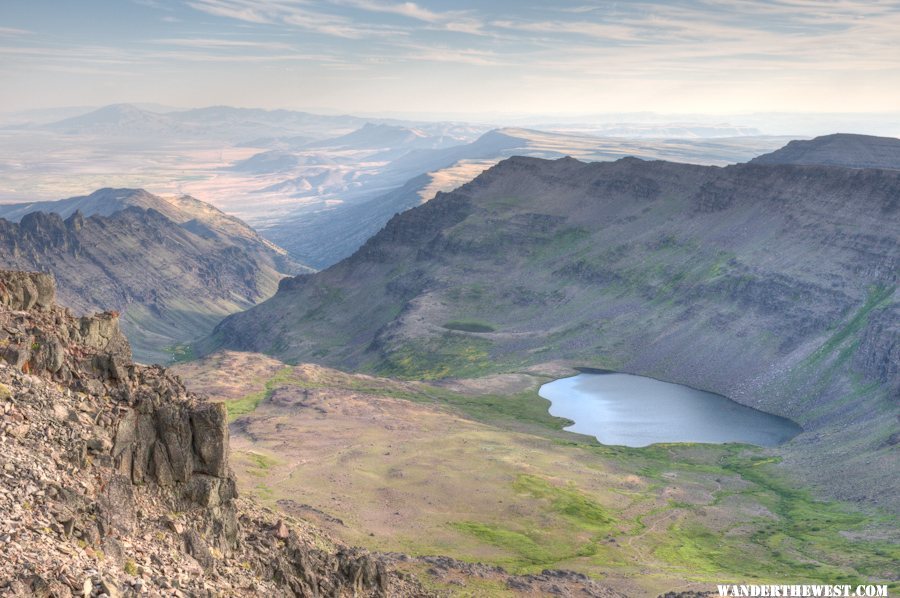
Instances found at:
x=405 y=9
x=223 y=43
x=294 y=14
x=11 y=31
x=458 y=21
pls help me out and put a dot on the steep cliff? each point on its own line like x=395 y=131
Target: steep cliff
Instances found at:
x=115 y=479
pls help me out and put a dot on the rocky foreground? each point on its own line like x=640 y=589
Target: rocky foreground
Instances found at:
x=114 y=481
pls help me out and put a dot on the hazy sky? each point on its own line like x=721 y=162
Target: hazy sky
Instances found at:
x=366 y=56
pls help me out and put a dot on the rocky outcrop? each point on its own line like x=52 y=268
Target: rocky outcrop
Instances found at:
x=21 y=291
x=115 y=479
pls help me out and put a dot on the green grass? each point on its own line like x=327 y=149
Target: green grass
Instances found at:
x=829 y=363
x=573 y=505
x=521 y=408
x=530 y=549
x=813 y=528
x=181 y=353
x=264 y=492
x=771 y=530
x=469 y=326
x=450 y=354
x=259 y=464
x=249 y=403
x=876 y=296
x=804 y=542
x=526 y=407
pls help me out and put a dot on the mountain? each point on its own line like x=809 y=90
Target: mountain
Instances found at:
x=172 y=266
x=381 y=136
x=842 y=149
x=322 y=234
x=268 y=162
x=329 y=234
x=775 y=285
x=669 y=130
x=120 y=119
x=224 y=123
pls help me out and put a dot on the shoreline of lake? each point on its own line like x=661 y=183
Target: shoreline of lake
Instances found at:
x=637 y=411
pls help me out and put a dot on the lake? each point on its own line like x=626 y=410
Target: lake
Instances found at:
x=627 y=410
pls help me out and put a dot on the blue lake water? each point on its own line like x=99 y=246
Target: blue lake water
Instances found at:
x=627 y=410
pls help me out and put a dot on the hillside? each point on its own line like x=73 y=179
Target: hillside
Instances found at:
x=173 y=266
x=117 y=479
x=852 y=151
x=773 y=285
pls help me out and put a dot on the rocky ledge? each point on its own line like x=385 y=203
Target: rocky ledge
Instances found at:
x=114 y=479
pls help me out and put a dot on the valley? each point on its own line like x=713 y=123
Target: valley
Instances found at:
x=446 y=299
x=478 y=470
x=391 y=400
x=717 y=278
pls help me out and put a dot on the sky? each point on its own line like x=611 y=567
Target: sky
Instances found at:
x=552 y=57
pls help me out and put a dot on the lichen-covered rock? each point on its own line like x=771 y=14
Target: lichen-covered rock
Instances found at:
x=26 y=290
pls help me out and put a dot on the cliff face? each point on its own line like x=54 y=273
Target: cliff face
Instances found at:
x=116 y=479
x=878 y=354
x=173 y=268
x=775 y=285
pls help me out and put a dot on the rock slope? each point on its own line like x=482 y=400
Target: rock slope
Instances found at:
x=775 y=285
x=843 y=149
x=114 y=480
x=173 y=266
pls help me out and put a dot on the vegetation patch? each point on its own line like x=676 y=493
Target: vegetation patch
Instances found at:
x=181 y=353
x=469 y=326
x=572 y=504
x=249 y=403
x=530 y=550
x=450 y=354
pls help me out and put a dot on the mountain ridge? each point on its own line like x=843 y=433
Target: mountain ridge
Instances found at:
x=840 y=149
x=728 y=279
x=173 y=266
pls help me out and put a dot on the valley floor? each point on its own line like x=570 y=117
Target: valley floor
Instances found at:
x=479 y=471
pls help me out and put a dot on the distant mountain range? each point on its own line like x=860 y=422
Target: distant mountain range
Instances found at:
x=217 y=122
x=243 y=125
x=323 y=235
x=774 y=284
x=387 y=137
x=173 y=266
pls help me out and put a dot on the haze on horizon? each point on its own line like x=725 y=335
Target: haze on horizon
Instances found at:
x=455 y=57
